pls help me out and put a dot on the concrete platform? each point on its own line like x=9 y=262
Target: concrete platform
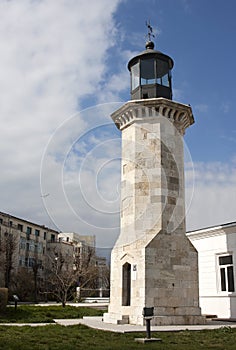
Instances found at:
x=147 y=340
x=97 y=323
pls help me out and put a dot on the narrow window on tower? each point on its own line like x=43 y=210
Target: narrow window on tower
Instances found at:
x=124 y=168
x=126 y=284
x=226 y=273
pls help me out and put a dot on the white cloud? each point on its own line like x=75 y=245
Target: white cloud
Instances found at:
x=186 y=6
x=225 y=107
x=86 y=178
x=52 y=55
x=83 y=177
x=201 y=107
x=178 y=94
x=214 y=195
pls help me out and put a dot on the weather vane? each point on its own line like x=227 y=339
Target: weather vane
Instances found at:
x=150 y=34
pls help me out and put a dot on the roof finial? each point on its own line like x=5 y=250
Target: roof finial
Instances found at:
x=149 y=36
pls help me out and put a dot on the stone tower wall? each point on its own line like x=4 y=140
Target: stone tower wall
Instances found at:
x=161 y=262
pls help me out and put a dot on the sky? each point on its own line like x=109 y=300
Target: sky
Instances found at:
x=64 y=71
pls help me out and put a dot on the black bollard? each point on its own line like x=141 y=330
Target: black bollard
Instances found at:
x=16 y=299
x=148 y=313
x=148 y=328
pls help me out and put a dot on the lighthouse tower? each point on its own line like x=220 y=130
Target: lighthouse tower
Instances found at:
x=153 y=263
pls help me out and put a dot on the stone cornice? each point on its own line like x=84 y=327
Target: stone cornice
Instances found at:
x=212 y=232
x=136 y=110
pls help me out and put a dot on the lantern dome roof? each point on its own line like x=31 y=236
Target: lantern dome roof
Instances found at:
x=150 y=53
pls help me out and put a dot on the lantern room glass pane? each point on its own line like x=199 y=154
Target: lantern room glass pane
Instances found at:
x=162 y=68
x=148 y=72
x=165 y=80
x=163 y=73
x=135 y=76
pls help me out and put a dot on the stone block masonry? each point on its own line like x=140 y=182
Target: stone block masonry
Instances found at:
x=153 y=264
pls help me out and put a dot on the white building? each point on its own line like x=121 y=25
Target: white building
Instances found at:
x=216 y=248
x=84 y=246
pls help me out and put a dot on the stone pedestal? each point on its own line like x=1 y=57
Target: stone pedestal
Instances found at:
x=153 y=263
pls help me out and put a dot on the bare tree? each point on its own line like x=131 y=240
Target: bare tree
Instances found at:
x=61 y=278
x=94 y=277
x=87 y=269
x=65 y=272
x=37 y=264
x=8 y=246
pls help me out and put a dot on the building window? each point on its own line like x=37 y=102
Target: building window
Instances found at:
x=45 y=235
x=37 y=232
x=21 y=261
x=0 y=220
x=20 y=227
x=40 y=247
x=31 y=246
x=28 y=230
x=226 y=273
x=31 y=262
x=22 y=243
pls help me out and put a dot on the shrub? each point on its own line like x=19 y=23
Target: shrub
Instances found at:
x=3 y=298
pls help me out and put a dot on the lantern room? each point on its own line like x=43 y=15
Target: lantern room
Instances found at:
x=150 y=74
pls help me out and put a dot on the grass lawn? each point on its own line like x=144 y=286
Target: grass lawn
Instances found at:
x=55 y=337
x=42 y=314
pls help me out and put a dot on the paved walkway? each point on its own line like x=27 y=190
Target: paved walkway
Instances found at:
x=96 y=305
x=97 y=323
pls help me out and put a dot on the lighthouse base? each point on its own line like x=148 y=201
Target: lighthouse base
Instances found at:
x=156 y=320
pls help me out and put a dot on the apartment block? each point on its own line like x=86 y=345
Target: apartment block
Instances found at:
x=33 y=248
